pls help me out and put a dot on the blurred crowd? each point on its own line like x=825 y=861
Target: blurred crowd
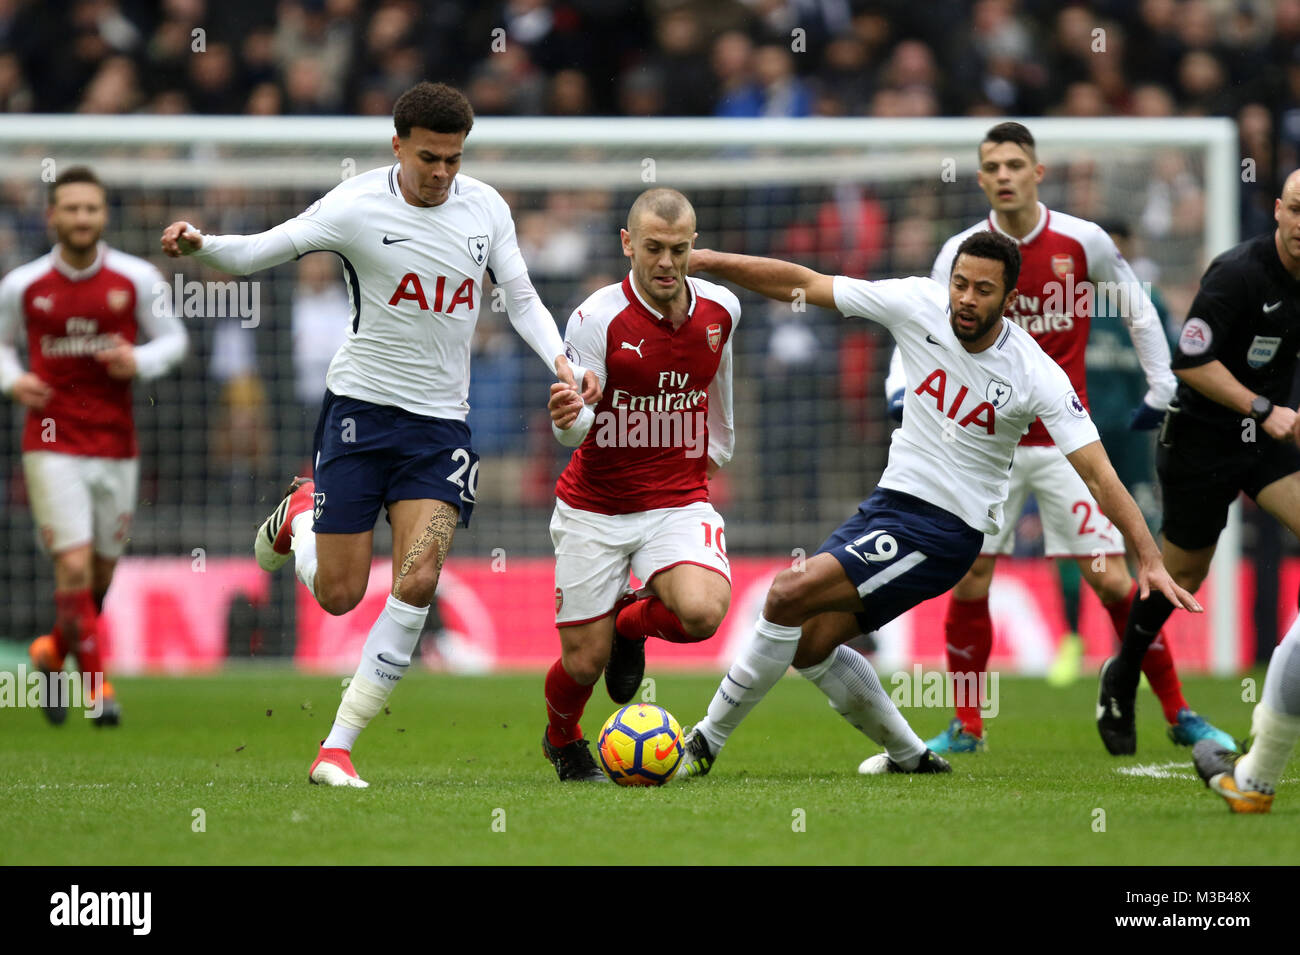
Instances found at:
x=654 y=57
x=754 y=58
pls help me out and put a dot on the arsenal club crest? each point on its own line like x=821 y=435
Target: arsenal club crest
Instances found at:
x=1062 y=264
x=478 y=248
x=559 y=599
x=715 y=336
x=118 y=299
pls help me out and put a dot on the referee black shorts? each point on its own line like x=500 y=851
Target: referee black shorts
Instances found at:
x=1202 y=467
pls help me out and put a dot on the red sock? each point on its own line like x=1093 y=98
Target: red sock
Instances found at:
x=1158 y=664
x=650 y=617
x=565 y=700
x=76 y=628
x=968 y=631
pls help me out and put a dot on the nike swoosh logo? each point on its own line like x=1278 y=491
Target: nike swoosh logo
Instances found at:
x=930 y=340
x=959 y=652
x=1269 y=309
x=388 y=241
x=392 y=663
x=662 y=752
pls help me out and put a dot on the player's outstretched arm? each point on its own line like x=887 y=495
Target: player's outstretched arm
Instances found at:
x=232 y=254
x=530 y=319
x=773 y=278
x=1118 y=505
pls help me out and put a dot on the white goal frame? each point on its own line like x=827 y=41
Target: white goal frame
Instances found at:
x=847 y=147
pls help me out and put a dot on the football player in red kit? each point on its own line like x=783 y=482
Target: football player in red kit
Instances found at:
x=84 y=307
x=635 y=495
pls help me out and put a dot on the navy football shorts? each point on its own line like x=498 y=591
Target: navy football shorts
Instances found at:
x=899 y=550
x=369 y=455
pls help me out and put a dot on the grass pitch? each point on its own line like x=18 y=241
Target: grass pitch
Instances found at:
x=458 y=759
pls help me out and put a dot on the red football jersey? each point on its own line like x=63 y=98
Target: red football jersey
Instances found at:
x=69 y=315
x=666 y=400
x=1061 y=261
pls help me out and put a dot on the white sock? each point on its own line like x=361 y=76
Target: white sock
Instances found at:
x=1275 y=737
x=854 y=689
x=304 y=550
x=1276 y=721
x=384 y=661
x=754 y=672
x=1282 y=680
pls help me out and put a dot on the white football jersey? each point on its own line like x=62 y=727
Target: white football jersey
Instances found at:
x=415 y=283
x=963 y=413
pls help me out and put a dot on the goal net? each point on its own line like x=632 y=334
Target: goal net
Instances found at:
x=870 y=198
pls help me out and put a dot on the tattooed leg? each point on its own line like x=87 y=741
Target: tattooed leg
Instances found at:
x=422 y=532
x=415 y=576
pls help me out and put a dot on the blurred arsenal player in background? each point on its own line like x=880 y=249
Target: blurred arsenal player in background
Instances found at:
x=83 y=306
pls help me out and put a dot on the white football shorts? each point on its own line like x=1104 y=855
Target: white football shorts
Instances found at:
x=1073 y=524
x=595 y=552
x=78 y=500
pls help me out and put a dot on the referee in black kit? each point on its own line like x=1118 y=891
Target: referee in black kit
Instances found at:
x=1228 y=430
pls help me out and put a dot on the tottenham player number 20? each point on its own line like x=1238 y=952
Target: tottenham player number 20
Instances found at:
x=468 y=485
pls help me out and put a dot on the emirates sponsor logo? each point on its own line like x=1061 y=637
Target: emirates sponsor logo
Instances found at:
x=82 y=340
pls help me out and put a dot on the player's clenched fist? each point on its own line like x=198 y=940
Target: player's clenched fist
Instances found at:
x=565 y=405
x=118 y=359
x=181 y=238
x=31 y=392
x=591 y=393
x=1281 y=423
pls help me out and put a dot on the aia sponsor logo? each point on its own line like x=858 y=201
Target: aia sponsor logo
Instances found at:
x=412 y=289
x=980 y=415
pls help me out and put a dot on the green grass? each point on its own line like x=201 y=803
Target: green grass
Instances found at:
x=453 y=751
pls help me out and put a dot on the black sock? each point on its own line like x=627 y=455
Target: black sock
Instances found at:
x=1144 y=622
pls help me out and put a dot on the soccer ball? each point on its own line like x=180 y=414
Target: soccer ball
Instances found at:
x=641 y=745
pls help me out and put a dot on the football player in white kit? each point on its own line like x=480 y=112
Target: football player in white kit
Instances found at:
x=981 y=382
x=416 y=239
x=1066 y=263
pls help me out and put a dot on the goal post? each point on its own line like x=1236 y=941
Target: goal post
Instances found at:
x=874 y=197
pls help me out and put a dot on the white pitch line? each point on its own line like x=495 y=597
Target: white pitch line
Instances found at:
x=1157 y=770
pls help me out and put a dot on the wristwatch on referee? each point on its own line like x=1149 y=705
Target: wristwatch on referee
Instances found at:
x=1261 y=408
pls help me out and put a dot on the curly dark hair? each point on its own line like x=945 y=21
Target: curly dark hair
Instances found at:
x=995 y=246
x=434 y=106
x=75 y=174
